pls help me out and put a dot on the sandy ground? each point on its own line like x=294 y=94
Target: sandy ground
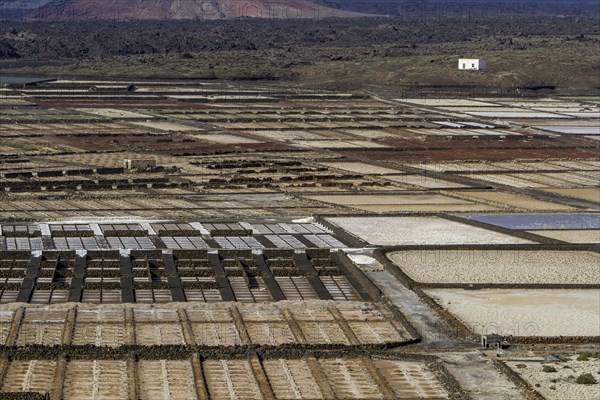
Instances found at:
x=287 y=135
x=492 y=266
x=446 y=102
x=425 y=181
x=334 y=144
x=583 y=236
x=419 y=199
x=480 y=378
x=371 y=133
x=361 y=168
x=511 y=200
x=113 y=113
x=227 y=139
x=564 y=386
x=390 y=231
x=167 y=126
x=536 y=180
x=589 y=194
x=418 y=208
x=515 y=114
x=524 y=312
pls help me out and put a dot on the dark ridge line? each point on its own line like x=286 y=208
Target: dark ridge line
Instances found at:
x=179 y=352
x=530 y=392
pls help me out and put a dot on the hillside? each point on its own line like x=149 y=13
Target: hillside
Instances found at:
x=182 y=9
x=344 y=52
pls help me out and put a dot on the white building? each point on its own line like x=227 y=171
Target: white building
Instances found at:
x=471 y=64
x=139 y=164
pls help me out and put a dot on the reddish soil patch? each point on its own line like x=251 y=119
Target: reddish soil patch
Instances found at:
x=164 y=144
x=477 y=149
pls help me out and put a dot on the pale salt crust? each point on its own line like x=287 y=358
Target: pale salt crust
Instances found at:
x=424 y=208
x=435 y=102
x=516 y=114
x=511 y=200
x=524 y=312
x=366 y=263
x=227 y=139
x=588 y=194
x=499 y=267
x=331 y=144
x=112 y=113
x=583 y=236
x=391 y=231
x=402 y=199
x=425 y=181
x=167 y=126
x=361 y=168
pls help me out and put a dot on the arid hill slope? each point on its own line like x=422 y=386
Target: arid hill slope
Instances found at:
x=182 y=9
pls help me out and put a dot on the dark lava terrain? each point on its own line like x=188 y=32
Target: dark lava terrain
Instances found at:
x=70 y=39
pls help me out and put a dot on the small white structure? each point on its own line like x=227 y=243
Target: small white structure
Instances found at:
x=139 y=165
x=473 y=64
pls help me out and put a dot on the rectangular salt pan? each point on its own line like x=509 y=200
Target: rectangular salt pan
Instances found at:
x=449 y=124
x=476 y=124
x=540 y=221
x=510 y=114
x=571 y=130
x=397 y=231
